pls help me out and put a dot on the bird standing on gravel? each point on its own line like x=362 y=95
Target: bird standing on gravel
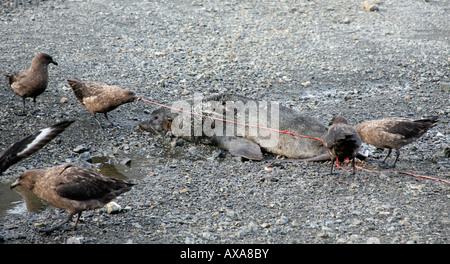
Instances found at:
x=30 y=144
x=72 y=188
x=31 y=82
x=342 y=141
x=393 y=133
x=99 y=97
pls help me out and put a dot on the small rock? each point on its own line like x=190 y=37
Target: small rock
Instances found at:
x=355 y=222
x=230 y=213
x=136 y=225
x=81 y=148
x=39 y=224
x=189 y=240
x=207 y=235
x=177 y=143
x=265 y=225
x=74 y=240
x=346 y=20
x=113 y=208
x=86 y=156
x=305 y=84
x=219 y=154
x=283 y=220
x=64 y=100
x=373 y=240
x=126 y=162
x=323 y=235
x=368 y=5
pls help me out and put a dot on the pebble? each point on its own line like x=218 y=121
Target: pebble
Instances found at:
x=86 y=156
x=282 y=220
x=176 y=143
x=136 y=225
x=369 y=5
x=323 y=235
x=74 y=240
x=373 y=240
x=126 y=161
x=81 y=148
x=113 y=208
x=265 y=225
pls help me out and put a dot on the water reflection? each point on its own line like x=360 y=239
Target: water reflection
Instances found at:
x=32 y=202
x=8 y=198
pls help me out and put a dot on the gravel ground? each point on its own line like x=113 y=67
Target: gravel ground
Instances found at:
x=319 y=57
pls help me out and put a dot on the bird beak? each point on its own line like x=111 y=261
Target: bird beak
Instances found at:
x=54 y=62
x=15 y=184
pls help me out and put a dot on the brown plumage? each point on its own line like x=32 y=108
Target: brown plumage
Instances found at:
x=393 y=133
x=342 y=141
x=72 y=188
x=31 y=82
x=30 y=144
x=99 y=97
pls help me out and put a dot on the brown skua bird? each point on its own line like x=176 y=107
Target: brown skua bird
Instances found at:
x=33 y=81
x=99 y=97
x=342 y=141
x=30 y=144
x=72 y=188
x=393 y=133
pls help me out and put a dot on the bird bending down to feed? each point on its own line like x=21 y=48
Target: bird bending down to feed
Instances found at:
x=99 y=97
x=72 y=188
x=342 y=141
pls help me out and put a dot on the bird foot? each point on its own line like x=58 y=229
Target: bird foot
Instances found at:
x=385 y=166
x=59 y=228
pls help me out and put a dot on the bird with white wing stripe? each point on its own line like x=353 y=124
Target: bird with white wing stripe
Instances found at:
x=30 y=144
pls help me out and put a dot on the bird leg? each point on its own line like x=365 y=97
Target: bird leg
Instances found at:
x=397 y=154
x=332 y=165
x=98 y=122
x=34 y=106
x=22 y=113
x=76 y=222
x=388 y=154
x=108 y=119
x=387 y=166
x=383 y=163
x=58 y=226
x=354 y=165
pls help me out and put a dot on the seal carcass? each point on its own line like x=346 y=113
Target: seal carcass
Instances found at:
x=268 y=126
